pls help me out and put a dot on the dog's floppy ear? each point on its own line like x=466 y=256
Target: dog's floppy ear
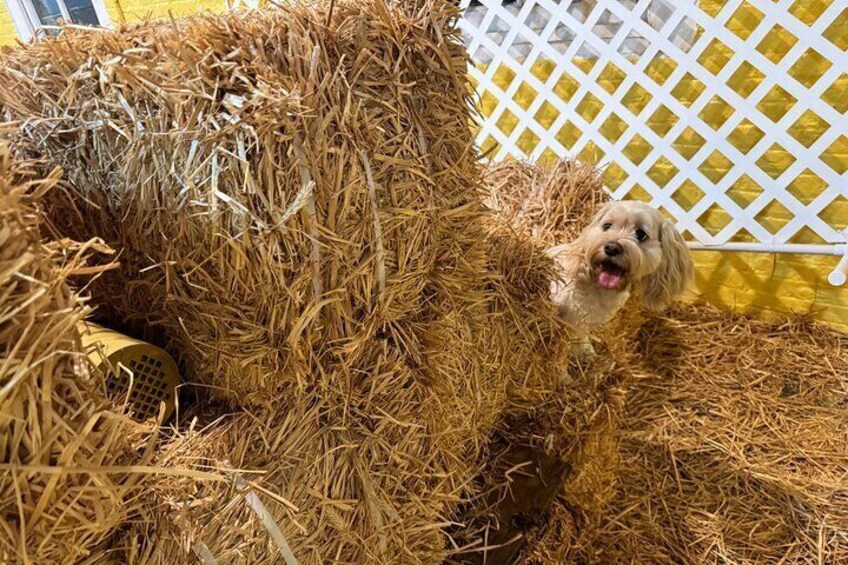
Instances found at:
x=675 y=271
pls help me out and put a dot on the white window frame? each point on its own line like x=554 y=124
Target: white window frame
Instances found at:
x=27 y=22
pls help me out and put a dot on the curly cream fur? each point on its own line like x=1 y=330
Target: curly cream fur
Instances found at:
x=659 y=265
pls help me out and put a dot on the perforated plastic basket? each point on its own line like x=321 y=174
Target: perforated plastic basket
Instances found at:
x=138 y=373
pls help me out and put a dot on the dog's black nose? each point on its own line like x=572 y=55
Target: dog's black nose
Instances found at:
x=612 y=249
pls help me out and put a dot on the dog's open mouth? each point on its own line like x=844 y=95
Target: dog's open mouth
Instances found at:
x=611 y=276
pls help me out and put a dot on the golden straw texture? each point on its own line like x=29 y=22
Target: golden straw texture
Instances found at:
x=733 y=444
x=65 y=484
x=298 y=207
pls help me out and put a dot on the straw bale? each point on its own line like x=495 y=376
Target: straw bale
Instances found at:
x=550 y=202
x=283 y=185
x=733 y=445
x=298 y=208
x=65 y=483
x=365 y=479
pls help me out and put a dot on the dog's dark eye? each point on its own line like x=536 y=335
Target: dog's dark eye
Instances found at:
x=641 y=235
x=606 y=226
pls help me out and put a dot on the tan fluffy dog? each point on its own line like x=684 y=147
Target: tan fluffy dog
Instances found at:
x=626 y=245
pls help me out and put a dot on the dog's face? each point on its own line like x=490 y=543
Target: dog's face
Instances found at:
x=629 y=243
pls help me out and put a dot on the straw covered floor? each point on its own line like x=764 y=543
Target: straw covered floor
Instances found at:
x=732 y=446
x=697 y=436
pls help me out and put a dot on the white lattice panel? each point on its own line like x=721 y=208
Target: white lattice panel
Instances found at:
x=728 y=114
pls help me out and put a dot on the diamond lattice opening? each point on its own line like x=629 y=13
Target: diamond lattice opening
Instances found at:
x=688 y=143
x=568 y=134
x=776 y=103
x=589 y=107
x=638 y=193
x=566 y=87
x=716 y=166
x=744 y=191
x=712 y=7
x=633 y=46
x=607 y=26
x=743 y=235
x=636 y=99
x=586 y=57
x=810 y=67
x=507 y=122
x=808 y=11
x=806 y=187
x=488 y=103
x=745 y=136
x=715 y=56
x=662 y=120
x=745 y=79
x=688 y=90
x=777 y=43
x=808 y=128
x=807 y=235
x=611 y=78
x=835 y=214
x=475 y=15
x=744 y=20
x=527 y=142
x=637 y=149
x=482 y=57
x=685 y=34
x=503 y=76
x=490 y=146
x=775 y=161
x=561 y=38
x=657 y=14
x=546 y=115
x=542 y=68
x=660 y=68
x=497 y=31
x=525 y=95
x=714 y=219
x=662 y=171
x=520 y=48
x=837 y=31
x=836 y=156
x=687 y=195
x=837 y=94
x=590 y=154
x=614 y=176
x=538 y=19
x=774 y=216
x=613 y=128
x=716 y=112
x=580 y=9
x=548 y=157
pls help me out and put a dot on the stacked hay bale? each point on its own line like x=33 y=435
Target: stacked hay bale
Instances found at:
x=551 y=202
x=279 y=190
x=298 y=206
x=65 y=480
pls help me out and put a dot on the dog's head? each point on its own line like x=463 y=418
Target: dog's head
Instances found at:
x=630 y=244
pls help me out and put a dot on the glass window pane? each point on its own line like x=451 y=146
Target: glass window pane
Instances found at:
x=48 y=11
x=82 y=12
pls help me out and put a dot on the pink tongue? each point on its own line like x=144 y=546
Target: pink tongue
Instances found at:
x=609 y=280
